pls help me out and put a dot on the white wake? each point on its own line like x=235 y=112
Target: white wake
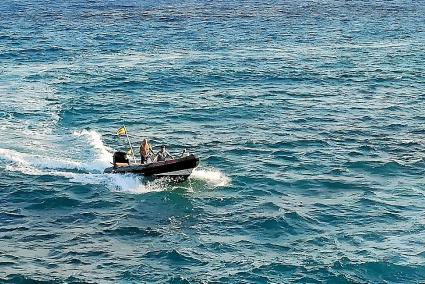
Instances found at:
x=211 y=176
x=90 y=171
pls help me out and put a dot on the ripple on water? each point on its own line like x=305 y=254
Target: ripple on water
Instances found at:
x=379 y=271
x=379 y=167
x=174 y=256
x=133 y=232
x=11 y=217
x=39 y=237
x=307 y=116
x=291 y=223
x=81 y=217
x=57 y=202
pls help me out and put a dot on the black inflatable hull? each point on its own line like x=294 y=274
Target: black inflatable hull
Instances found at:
x=178 y=168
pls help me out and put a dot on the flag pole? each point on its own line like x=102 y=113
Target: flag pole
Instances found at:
x=129 y=143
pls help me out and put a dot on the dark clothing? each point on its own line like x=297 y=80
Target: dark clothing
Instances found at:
x=163 y=155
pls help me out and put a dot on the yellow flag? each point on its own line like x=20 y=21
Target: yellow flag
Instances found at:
x=121 y=131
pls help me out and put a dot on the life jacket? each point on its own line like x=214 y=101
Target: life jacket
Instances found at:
x=144 y=149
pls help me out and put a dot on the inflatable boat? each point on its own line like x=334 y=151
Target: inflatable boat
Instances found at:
x=179 y=168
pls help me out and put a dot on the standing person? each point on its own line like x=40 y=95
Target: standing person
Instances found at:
x=145 y=151
x=163 y=154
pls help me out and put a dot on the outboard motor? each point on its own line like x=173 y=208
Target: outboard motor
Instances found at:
x=120 y=158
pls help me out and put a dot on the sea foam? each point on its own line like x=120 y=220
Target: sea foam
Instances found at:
x=90 y=171
x=211 y=176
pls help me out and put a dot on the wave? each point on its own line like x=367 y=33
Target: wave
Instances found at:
x=174 y=256
x=136 y=185
x=133 y=184
x=103 y=152
x=83 y=172
x=28 y=161
x=23 y=278
x=33 y=164
x=211 y=176
x=120 y=183
x=133 y=231
x=55 y=202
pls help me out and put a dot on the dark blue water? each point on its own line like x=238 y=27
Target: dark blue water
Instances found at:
x=308 y=117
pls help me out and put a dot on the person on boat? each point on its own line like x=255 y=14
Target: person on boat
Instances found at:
x=185 y=153
x=163 y=154
x=145 y=151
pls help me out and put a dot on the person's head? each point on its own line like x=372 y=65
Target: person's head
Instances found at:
x=162 y=148
x=144 y=141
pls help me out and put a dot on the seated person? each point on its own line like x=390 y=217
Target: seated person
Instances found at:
x=163 y=154
x=185 y=153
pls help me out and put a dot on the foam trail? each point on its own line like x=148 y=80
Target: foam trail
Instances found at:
x=27 y=160
x=104 y=153
x=13 y=156
x=93 y=169
x=34 y=164
x=133 y=184
x=121 y=183
x=25 y=169
x=211 y=176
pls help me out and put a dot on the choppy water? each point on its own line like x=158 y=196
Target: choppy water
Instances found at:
x=308 y=117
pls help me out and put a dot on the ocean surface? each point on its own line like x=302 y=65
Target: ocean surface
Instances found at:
x=308 y=118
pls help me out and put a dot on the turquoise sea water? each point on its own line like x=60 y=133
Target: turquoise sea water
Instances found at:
x=308 y=117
